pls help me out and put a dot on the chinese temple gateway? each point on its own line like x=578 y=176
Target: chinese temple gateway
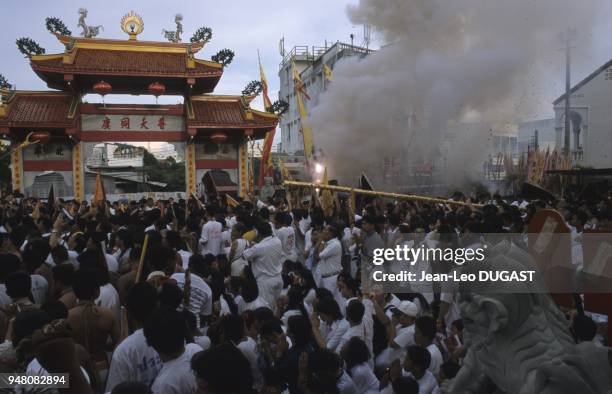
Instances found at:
x=208 y=132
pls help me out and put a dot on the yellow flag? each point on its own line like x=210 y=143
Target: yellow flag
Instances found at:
x=329 y=76
x=299 y=85
x=264 y=86
x=284 y=171
x=304 y=127
x=327 y=200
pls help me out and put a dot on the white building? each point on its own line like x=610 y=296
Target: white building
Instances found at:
x=590 y=119
x=539 y=133
x=309 y=61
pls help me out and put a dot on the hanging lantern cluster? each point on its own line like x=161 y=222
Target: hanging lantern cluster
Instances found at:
x=157 y=89
x=102 y=88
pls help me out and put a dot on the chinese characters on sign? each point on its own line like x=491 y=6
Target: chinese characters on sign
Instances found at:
x=136 y=122
x=132 y=122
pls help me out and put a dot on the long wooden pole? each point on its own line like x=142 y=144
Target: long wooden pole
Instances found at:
x=143 y=253
x=396 y=196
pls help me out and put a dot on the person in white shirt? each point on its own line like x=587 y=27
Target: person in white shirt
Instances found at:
x=200 y=294
x=235 y=251
x=233 y=331
x=165 y=332
x=400 y=331
x=210 y=238
x=416 y=366
x=249 y=298
x=328 y=324
x=266 y=259
x=173 y=240
x=424 y=335
x=286 y=233
x=355 y=311
x=109 y=298
x=123 y=245
x=356 y=356
x=134 y=360
x=329 y=256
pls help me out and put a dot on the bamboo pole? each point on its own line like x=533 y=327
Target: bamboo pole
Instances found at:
x=143 y=253
x=396 y=196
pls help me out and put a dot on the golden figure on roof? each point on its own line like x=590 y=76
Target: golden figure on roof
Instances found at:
x=132 y=24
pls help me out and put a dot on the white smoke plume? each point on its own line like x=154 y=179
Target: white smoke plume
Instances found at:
x=448 y=62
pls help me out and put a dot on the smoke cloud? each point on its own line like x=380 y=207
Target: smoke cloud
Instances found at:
x=460 y=64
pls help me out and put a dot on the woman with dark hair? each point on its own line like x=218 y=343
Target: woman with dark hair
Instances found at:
x=356 y=357
x=328 y=324
x=286 y=362
x=295 y=304
x=304 y=278
x=249 y=298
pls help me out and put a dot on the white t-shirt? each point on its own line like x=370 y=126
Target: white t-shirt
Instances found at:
x=237 y=261
x=202 y=341
x=211 y=237
x=359 y=331
x=404 y=336
x=35 y=369
x=248 y=347
x=109 y=298
x=436 y=359
x=427 y=384
x=287 y=238
x=334 y=333
x=122 y=257
x=250 y=306
x=176 y=376
x=364 y=378
x=4 y=298
x=112 y=263
x=330 y=257
x=134 y=361
x=185 y=255
x=40 y=288
x=345 y=384
x=200 y=296
x=266 y=257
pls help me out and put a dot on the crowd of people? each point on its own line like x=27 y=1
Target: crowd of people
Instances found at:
x=260 y=297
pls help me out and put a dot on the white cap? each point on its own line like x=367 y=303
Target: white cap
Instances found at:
x=408 y=308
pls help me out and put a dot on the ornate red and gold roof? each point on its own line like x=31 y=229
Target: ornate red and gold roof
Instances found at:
x=129 y=66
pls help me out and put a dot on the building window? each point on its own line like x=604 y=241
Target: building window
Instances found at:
x=609 y=74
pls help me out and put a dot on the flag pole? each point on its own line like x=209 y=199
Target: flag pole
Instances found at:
x=397 y=196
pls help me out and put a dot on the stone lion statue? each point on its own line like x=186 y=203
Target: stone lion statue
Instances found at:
x=519 y=341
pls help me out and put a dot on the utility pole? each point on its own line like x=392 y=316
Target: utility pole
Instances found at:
x=569 y=33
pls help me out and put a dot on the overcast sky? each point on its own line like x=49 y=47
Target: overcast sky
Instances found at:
x=241 y=25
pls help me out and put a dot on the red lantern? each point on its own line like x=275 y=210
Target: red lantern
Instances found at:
x=102 y=88
x=218 y=137
x=157 y=89
x=42 y=137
